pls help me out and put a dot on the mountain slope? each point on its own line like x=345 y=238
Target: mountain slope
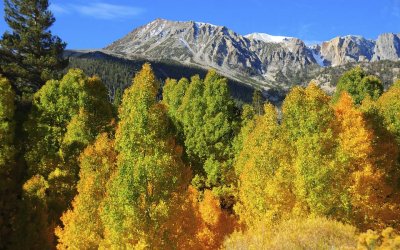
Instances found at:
x=260 y=60
x=210 y=46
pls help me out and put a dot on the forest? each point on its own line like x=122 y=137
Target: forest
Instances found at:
x=191 y=171
x=179 y=165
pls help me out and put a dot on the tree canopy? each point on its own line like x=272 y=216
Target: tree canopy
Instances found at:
x=30 y=54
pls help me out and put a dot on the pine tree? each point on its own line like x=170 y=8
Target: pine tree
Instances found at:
x=30 y=55
x=149 y=171
x=258 y=102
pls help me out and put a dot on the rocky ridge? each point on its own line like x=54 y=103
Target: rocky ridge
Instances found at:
x=261 y=60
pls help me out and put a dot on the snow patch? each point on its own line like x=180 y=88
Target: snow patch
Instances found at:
x=318 y=58
x=185 y=43
x=157 y=31
x=353 y=36
x=199 y=24
x=268 y=38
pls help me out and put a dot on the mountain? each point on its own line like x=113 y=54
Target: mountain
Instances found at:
x=117 y=72
x=246 y=59
x=387 y=47
x=260 y=60
x=342 y=50
x=270 y=63
x=267 y=38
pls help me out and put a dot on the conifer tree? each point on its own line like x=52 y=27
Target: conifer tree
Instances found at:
x=258 y=102
x=29 y=54
x=149 y=171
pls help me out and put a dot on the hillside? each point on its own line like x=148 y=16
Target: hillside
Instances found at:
x=117 y=72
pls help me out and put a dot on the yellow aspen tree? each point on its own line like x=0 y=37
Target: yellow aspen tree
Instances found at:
x=82 y=225
x=264 y=186
x=8 y=185
x=149 y=171
x=307 y=120
x=66 y=116
x=366 y=156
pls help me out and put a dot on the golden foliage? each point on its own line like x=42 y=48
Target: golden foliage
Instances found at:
x=387 y=239
x=299 y=233
x=83 y=228
x=199 y=223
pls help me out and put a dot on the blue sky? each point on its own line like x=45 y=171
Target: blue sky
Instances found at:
x=96 y=23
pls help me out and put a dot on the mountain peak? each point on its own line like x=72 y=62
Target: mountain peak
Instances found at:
x=268 y=38
x=260 y=57
x=205 y=24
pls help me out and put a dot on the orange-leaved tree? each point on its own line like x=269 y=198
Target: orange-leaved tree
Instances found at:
x=82 y=225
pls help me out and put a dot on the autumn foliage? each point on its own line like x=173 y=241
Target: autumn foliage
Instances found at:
x=190 y=170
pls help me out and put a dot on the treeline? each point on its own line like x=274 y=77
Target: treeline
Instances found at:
x=191 y=171
x=117 y=73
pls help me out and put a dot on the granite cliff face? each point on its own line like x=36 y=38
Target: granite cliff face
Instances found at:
x=387 y=47
x=210 y=46
x=192 y=43
x=259 y=59
x=348 y=49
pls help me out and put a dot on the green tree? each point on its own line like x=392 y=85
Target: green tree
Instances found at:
x=193 y=110
x=30 y=55
x=8 y=183
x=248 y=122
x=265 y=189
x=173 y=94
x=389 y=108
x=308 y=123
x=66 y=116
x=218 y=128
x=149 y=170
x=359 y=85
x=209 y=127
x=117 y=98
